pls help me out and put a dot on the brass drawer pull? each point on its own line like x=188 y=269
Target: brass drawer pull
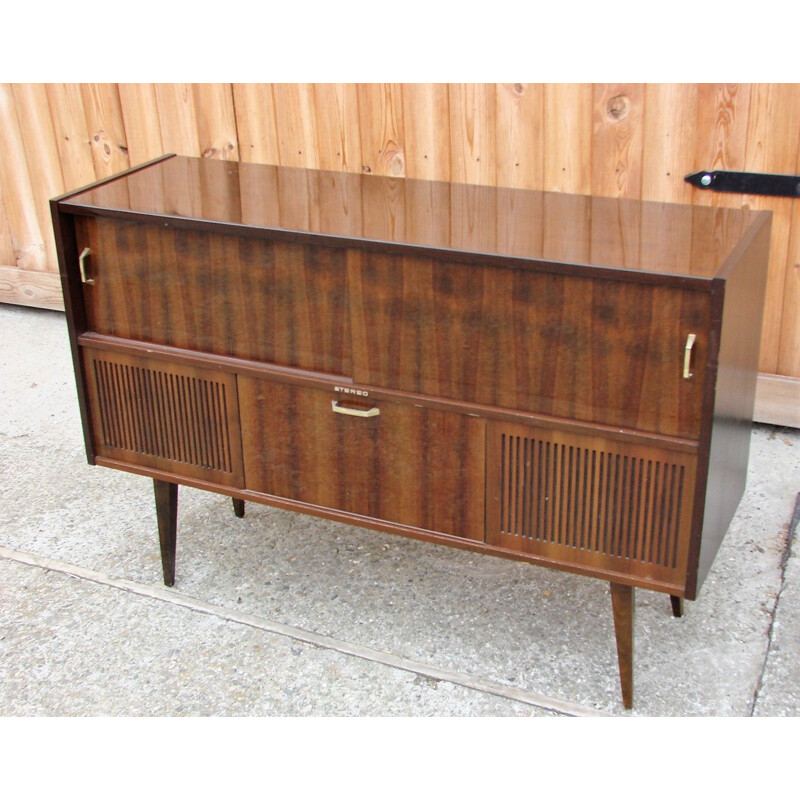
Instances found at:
x=687 y=356
x=82 y=263
x=355 y=412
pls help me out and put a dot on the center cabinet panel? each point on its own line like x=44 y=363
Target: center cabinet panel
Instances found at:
x=587 y=349
x=401 y=463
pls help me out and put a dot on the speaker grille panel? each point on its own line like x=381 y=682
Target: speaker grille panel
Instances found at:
x=156 y=414
x=170 y=416
x=585 y=498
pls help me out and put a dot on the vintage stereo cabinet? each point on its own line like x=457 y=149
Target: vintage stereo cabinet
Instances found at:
x=559 y=379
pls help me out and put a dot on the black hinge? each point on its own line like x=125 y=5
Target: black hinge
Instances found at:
x=747 y=183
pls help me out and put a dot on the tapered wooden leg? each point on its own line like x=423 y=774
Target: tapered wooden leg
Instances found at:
x=622 y=604
x=238 y=507
x=677 y=605
x=167 y=513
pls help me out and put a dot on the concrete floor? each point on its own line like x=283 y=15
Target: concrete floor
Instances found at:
x=279 y=614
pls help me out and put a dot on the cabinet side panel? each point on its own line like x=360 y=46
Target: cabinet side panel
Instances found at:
x=740 y=340
x=67 y=249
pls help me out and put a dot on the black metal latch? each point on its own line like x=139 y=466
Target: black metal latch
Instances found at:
x=747 y=183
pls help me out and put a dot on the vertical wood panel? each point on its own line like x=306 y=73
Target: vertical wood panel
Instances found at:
x=22 y=195
x=44 y=166
x=19 y=195
x=295 y=122
x=723 y=119
x=177 y=118
x=772 y=146
x=568 y=138
x=7 y=256
x=106 y=127
x=216 y=121
x=617 y=140
x=140 y=116
x=380 y=115
x=39 y=139
x=669 y=147
x=520 y=135
x=789 y=348
x=426 y=122
x=254 y=107
x=473 y=145
x=336 y=112
x=473 y=141
x=71 y=133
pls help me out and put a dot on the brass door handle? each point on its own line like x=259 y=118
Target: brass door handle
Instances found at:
x=687 y=356
x=82 y=264
x=355 y=412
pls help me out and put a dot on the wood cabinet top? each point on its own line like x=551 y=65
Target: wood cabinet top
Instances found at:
x=665 y=238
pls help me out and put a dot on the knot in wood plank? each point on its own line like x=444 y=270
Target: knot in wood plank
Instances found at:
x=618 y=107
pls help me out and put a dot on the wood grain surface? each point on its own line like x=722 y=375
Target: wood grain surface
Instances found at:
x=535 y=342
x=106 y=124
x=617 y=140
x=521 y=336
x=22 y=198
x=274 y=302
x=684 y=240
x=414 y=466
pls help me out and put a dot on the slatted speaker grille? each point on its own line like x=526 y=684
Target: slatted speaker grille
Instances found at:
x=592 y=499
x=163 y=414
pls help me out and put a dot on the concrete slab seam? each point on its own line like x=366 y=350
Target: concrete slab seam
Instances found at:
x=176 y=598
x=783 y=565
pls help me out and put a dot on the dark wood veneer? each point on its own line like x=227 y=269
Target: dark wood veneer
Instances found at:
x=571 y=347
x=493 y=369
x=415 y=466
x=276 y=302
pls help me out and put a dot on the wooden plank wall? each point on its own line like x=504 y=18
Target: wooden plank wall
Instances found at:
x=626 y=140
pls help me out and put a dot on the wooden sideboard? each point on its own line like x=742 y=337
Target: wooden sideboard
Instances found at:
x=559 y=379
